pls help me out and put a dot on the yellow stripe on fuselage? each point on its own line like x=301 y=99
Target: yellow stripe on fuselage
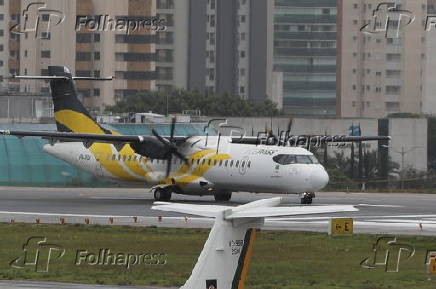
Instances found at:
x=80 y=123
x=200 y=170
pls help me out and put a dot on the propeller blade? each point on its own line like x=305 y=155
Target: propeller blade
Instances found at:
x=173 y=128
x=161 y=139
x=170 y=159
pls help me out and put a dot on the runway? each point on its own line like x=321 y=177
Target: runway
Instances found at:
x=394 y=213
x=56 y=285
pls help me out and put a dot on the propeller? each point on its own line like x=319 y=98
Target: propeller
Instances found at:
x=171 y=146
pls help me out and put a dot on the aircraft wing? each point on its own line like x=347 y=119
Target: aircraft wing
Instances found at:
x=83 y=137
x=305 y=139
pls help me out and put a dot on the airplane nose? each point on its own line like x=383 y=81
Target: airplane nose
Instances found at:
x=319 y=179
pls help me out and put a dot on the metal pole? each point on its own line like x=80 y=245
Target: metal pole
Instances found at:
x=402 y=167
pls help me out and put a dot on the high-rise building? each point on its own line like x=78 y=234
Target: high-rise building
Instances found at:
x=305 y=53
x=230 y=49
x=380 y=65
x=97 y=48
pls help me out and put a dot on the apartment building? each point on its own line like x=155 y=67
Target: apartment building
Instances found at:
x=380 y=66
x=305 y=54
x=96 y=48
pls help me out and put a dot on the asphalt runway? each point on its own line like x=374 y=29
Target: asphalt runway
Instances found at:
x=394 y=213
x=55 y=285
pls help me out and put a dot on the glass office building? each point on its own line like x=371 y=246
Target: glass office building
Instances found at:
x=305 y=52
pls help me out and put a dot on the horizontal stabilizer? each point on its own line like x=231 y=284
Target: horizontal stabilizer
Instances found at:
x=209 y=211
x=289 y=211
x=259 y=209
x=54 y=77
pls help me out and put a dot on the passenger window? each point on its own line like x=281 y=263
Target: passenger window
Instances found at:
x=114 y=157
x=231 y=163
x=198 y=161
x=227 y=162
x=209 y=162
x=119 y=157
x=221 y=163
x=204 y=161
x=130 y=158
x=237 y=164
x=249 y=164
x=243 y=164
x=214 y=162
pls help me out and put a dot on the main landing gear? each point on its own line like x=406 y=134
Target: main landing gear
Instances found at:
x=306 y=198
x=162 y=194
x=223 y=196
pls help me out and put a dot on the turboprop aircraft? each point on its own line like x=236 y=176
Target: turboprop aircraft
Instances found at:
x=194 y=165
x=224 y=261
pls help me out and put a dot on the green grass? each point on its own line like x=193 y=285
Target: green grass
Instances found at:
x=281 y=259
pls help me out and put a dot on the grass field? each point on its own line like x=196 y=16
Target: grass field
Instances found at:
x=281 y=259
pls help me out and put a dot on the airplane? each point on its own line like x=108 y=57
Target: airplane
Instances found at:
x=192 y=165
x=226 y=255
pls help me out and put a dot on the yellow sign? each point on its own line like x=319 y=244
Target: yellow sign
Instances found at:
x=432 y=265
x=341 y=226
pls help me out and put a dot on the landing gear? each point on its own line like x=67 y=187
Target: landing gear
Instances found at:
x=161 y=194
x=306 y=198
x=224 y=196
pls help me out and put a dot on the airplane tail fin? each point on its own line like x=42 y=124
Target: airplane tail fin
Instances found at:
x=70 y=114
x=226 y=256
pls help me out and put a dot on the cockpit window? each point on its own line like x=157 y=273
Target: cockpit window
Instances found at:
x=295 y=159
x=284 y=159
x=303 y=160
x=314 y=160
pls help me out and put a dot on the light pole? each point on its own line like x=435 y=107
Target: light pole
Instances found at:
x=403 y=152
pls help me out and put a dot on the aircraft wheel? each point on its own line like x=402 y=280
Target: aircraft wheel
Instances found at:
x=307 y=198
x=223 y=196
x=160 y=194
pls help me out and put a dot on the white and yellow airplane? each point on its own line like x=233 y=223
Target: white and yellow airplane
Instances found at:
x=192 y=165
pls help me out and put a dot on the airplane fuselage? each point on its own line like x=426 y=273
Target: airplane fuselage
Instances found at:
x=212 y=167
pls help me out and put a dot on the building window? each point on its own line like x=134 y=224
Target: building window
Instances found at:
x=45 y=54
x=96 y=73
x=96 y=37
x=45 y=17
x=96 y=92
x=97 y=55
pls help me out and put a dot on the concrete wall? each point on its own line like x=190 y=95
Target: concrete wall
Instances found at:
x=410 y=133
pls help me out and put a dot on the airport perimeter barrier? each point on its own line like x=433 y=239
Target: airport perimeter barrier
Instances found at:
x=24 y=163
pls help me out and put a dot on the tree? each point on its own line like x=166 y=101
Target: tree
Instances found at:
x=180 y=100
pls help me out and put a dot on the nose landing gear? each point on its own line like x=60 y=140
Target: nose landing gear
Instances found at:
x=306 y=198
